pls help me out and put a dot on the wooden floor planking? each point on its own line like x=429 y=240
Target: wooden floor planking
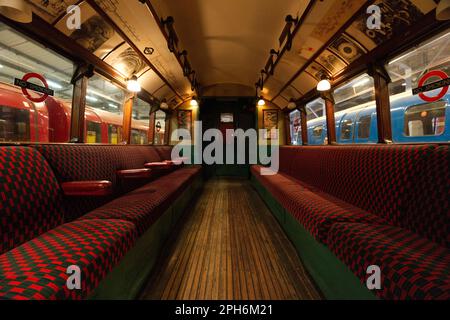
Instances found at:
x=229 y=246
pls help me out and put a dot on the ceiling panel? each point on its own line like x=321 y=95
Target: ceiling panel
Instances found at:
x=304 y=83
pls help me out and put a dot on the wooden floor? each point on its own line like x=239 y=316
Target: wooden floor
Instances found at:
x=229 y=246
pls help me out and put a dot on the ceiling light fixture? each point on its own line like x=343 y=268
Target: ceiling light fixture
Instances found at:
x=194 y=102
x=164 y=105
x=261 y=102
x=291 y=105
x=133 y=84
x=324 y=84
x=16 y=10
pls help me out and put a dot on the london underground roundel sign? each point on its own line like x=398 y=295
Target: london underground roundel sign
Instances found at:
x=443 y=83
x=25 y=85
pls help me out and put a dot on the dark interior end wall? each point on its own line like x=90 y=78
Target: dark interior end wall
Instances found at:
x=244 y=117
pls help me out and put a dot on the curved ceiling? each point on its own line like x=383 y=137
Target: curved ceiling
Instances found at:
x=228 y=41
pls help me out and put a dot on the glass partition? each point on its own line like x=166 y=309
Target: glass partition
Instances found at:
x=295 y=127
x=355 y=111
x=140 y=122
x=160 y=128
x=104 y=111
x=316 y=122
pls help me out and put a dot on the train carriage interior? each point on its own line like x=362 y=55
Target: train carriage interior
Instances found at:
x=225 y=150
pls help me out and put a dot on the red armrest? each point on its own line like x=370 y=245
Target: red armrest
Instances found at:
x=177 y=161
x=134 y=173
x=158 y=165
x=95 y=188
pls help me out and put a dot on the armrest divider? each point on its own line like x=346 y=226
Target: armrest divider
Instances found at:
x=135 y=173
x=89 y=188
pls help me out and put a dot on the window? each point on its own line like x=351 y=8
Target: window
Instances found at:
x=295 y=127
x=226 y=117
x=414 y=119
x=93 y=132
x=317 y=131
x=352 y=99
x=114 y=134
x=14 y=124
x=425 y=120
x=316 y=121
x=104 y=103
x=346 y=129
x=363 y=123
x=160 y=127
x=20 y=118
x=140 y=122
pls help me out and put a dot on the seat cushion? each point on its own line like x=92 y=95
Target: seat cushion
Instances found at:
x=314 y=209
x=412 y=267
x=37 y=269
x=146 y=204
x=30 y=197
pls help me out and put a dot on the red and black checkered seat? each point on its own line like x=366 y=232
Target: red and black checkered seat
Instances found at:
x=382 y=205
x=30 y=197
x=354 y=184
x=95 y=162
x=145 y=205
x=38 y=268
x=412 y=267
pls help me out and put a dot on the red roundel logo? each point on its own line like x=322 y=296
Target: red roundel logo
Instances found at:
x=40 y=98
x=438 y=74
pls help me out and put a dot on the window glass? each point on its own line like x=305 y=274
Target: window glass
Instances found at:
x=316 y=121
x=14 y=124
x=427 y=119
x=295 y=127
x=317 y=131
x=20 y=118
x=140 y=121
x=93 y=132
x=104 y=103
x=114 y=134
x=346 y=129
x=160 y=127
x=352 y=98
x=363 y=123
x=414 y=117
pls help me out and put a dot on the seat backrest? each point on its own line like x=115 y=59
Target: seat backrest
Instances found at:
x=428 y=209
x=30 y=197
x=80 y=162
x=165 y=152
x=286 y=159
x=378 y=179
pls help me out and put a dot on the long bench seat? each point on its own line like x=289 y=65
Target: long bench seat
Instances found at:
x=372 y=205
x=44 y=231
